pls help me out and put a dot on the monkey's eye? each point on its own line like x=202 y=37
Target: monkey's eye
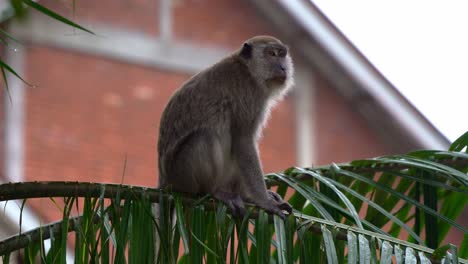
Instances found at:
x=271 y=52
x=282 y=53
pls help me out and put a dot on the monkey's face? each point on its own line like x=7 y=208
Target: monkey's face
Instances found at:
x=269 y=61
x=275 y=59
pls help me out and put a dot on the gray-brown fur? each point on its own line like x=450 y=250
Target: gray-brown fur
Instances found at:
x=210 y=127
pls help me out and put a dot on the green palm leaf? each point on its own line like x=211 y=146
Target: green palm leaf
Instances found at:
x=116 y=221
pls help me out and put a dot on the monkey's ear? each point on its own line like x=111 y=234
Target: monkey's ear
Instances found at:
x=246 y=51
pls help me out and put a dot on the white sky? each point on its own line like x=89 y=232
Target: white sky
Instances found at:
x=420 y=46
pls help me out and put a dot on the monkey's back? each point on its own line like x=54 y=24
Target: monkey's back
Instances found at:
x=212 y=102
x=197 y=107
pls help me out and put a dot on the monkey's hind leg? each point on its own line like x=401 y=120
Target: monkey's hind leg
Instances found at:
x=233 y=201
x=195 y=166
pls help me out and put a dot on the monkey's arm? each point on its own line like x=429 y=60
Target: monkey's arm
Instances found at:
x=253 y=188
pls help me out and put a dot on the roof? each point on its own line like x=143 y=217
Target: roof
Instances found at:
x=331 y=54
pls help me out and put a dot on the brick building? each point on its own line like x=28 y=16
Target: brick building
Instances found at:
x=98 y=98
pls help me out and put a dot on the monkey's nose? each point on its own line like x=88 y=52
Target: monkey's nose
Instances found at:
x=281 y=70
x=280 y=74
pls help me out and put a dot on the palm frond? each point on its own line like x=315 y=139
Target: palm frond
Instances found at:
x=342 y=212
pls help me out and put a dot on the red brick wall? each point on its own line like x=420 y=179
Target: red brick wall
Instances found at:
x=206 y=22
x=342 y=133
x=218 y=22
x=137 y=15
x=88 y=113
x=278 y=145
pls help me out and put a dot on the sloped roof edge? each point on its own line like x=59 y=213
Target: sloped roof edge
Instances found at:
x=368 y=79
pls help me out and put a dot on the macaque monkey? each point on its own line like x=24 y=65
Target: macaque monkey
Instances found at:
x=209 y=131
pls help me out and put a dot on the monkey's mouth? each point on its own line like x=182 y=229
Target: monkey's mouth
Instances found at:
x=280 y=79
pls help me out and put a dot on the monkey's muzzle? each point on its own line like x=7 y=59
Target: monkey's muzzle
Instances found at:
x=280 y=74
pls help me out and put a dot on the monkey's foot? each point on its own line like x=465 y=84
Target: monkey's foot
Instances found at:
x=280 y=203
x=233 y=201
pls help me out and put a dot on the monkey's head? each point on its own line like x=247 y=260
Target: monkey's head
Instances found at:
x=269 y=62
